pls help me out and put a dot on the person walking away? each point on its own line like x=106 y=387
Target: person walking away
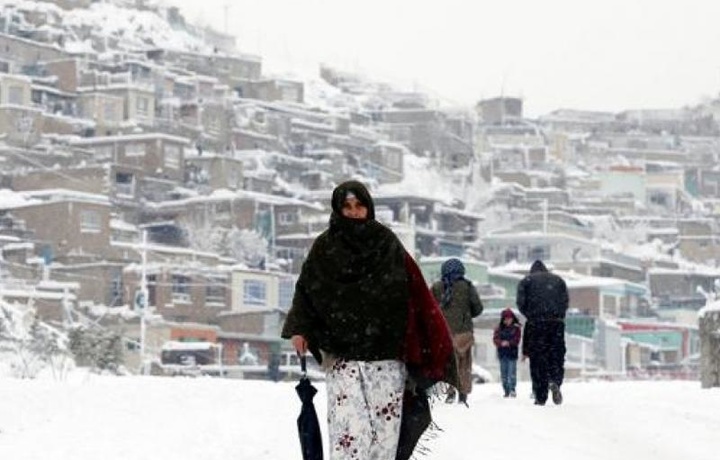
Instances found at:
x=363 y=310
x=460 y=303
x=542 y=297
x=506 y=337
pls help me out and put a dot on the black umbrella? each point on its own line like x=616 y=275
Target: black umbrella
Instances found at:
x=307 y=422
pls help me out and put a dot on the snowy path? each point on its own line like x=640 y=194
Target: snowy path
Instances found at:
x=174 y=418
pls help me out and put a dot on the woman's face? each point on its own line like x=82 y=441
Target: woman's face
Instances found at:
x=354 y=209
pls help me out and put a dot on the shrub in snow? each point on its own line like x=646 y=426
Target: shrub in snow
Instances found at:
x=95 y=348
x=32 y=348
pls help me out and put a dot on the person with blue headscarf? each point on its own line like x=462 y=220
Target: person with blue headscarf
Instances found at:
x=460 y=303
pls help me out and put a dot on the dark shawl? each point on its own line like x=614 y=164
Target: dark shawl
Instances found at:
x=351 y=298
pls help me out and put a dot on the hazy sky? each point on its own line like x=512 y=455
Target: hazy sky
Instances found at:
x=585 y=54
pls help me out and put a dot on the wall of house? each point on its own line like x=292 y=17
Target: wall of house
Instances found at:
x=15 y=90
x=60 y=224
x=67 y=72
x=97 y=282
x=586 y=300
x=276 y=90
x=679 y=285
x=22 y=125
x=27 y=52
x=90 y=180
x=104 y=109
x=555 y=249
x=241 y=282
x=618 y=182
x=699 y=249
x=617 y=271
x=498 y=110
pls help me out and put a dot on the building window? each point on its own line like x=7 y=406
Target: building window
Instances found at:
x=222 y=209
x=659 y=199
x=116 y=291
x=109 y=112
x=124 y=184
x=287 y=218
x=143 y=106
x=286 y=291
x=392 y=160
x=90 y=221
x=511 y=253
x=290 y=93
x=254 y=292
x=172 y=156
x=103 y=152
x=538 y=253
x=180 y=289
x=215 y=293
x=15 y=95
x=136 y=149
x=234 y=180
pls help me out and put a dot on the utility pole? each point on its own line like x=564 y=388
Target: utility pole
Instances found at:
x=143 y=301
x=2 y=280
x=272 y=237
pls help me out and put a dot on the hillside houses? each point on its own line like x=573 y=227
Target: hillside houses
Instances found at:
x=165 y=131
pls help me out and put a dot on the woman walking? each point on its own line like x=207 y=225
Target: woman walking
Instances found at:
x=362 y=308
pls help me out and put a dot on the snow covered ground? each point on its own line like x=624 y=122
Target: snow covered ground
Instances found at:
x=134 y=418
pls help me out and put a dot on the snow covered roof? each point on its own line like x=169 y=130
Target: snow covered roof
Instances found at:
x=225 y=194
x=10 y=199
x=53 y=195
x=700 y=270
x=119 y=224
x=129 y=138
x=536 y=235
x=188 y=346
x=440 y=209
x=710 y=307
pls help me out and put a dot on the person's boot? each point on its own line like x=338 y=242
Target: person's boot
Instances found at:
x=513 y=394
x=556 y=394
x=462 y=399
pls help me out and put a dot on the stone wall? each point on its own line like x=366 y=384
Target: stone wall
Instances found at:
x=710 y=348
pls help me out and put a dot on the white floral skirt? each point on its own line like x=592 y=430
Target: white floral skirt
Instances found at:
x=364 y=408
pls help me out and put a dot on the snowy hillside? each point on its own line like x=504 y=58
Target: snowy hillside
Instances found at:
x=121 y=418
x=132 y=29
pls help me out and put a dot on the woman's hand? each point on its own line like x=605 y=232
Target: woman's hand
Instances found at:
x=300 y=344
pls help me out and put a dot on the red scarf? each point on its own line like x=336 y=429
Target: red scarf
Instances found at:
x=428 y=342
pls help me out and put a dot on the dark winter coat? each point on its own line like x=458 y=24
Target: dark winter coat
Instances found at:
x=541 y=295
x=463 y=305
x=512 y=334
x=351 y=298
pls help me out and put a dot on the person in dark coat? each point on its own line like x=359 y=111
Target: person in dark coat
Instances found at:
x=460 y=303
x=507 y=337
x=542 y=297
x=362 y=308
